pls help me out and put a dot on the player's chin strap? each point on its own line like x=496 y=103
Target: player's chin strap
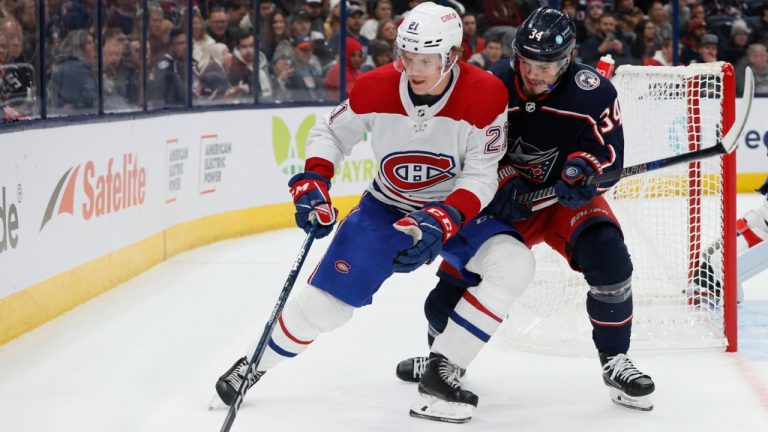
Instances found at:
x=444 y=74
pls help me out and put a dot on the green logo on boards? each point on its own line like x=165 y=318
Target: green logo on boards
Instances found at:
x=290 y=152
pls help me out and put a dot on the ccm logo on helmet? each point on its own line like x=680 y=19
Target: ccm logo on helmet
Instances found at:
x=414 y=171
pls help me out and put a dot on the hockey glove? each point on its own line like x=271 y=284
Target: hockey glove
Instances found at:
x=571 y=189
x=310 y=196
x=430 y=228
x=504 y=205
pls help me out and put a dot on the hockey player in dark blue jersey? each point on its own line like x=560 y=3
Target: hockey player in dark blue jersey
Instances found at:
x=564 y=126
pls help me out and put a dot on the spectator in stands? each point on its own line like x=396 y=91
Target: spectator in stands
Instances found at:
x=491 y=54
x=382 y=10
x=663 y=56
x=696 y=30
x=644 y=46
x=608 y=40
x=282 y=70
x=214 y=74
x=760 y=26
x=218 y=25
x=72 y=84
x=355 y=19
x=122 y=14
x=684 y=13
x=381 y=54
x=470 y=43
x=278 y=41
x=13 y=32
x=26 y=14
x=235 y=11
x=7 y=111
x=659 y=17
x=757 y=60
x=387 y=31
x=301 y=25
x=707 y=51
x=333 y=20
x=200 y=39
x=697 y=12
x=595 y=9
x=354 y=60
x=627 y=17
x=306 y=82
x=735 y=48
x=568 y=7
x=115 y=77
x=314 y=10
x=241 y=69
x=166 y=81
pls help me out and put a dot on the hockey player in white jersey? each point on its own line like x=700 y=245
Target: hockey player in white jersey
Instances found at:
x=437 y=131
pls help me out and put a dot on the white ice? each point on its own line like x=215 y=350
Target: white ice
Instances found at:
x=145 y=356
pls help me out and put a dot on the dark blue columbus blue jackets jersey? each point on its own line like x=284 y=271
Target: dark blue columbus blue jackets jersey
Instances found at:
x=579 y=117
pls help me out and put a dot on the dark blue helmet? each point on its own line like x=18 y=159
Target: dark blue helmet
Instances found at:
x=547 y=35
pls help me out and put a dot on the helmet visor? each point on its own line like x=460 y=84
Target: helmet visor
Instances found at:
x=419 y=63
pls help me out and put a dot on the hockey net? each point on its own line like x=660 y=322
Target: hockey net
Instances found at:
x=670 y=218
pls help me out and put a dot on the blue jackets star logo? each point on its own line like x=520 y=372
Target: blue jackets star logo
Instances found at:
x=532 y=163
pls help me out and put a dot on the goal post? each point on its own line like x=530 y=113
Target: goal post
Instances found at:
x=678 y=223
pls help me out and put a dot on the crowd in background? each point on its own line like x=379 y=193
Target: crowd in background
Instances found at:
x=295 y=56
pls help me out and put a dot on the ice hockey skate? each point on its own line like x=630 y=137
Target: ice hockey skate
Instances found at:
x=441 y=397
x=229 y=383
x=412 y=369
x=629 y=387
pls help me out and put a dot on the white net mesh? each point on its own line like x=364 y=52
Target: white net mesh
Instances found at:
x=668 y=216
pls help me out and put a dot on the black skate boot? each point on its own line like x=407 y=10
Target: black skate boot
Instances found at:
x=412 y=369
x=629 y=386
x=441 y=397
x=229 y=383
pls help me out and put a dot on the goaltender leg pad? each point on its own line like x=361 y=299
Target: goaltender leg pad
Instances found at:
x=506 y=266
x=310 y=312
x=362 y=253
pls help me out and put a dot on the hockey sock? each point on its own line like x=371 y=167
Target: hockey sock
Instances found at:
x=611 y=324
x=311 y=312
x=440 y=302
x=469 y=328
x=506 y=267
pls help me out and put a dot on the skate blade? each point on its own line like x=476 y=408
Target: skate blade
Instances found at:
x=431 y=408
x=642 y=403
x=215 y=403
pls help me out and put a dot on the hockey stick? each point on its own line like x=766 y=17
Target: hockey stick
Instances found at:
x=270 y=326
x=723 y=146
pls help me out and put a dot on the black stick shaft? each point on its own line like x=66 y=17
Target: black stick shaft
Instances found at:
x=269 y=327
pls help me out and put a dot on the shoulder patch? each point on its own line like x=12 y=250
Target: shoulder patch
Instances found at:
x=587 y=80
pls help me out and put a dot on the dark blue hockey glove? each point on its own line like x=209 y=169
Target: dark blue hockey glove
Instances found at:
x=504 y=205
x=430 y=228
x=571 y=190
x=310 y=196
x=764 y=188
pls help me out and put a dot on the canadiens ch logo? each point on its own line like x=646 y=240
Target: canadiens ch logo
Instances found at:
x=415 y=171
x=342 y=266
x=587 y=80
x=530 y=162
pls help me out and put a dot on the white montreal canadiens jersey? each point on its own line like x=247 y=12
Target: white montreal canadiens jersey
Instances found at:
x=424 y=153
